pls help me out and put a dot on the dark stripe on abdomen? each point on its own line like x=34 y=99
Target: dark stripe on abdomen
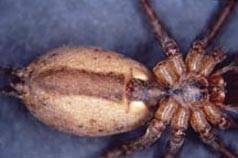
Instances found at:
x=67 y=81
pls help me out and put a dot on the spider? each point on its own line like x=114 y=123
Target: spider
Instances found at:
x=95 y=92
x=196 y=93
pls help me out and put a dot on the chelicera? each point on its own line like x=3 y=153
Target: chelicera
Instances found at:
x=94 y=92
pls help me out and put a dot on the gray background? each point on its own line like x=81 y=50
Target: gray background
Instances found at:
x=29 y=28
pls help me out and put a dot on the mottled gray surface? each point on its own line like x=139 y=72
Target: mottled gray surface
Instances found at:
x=29 y=28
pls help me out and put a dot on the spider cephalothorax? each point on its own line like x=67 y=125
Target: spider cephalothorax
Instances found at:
x=194 y=93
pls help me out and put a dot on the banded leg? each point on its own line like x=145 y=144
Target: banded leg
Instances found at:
x=197 y=51
x=201 y=126
x=217 y=117
x=168 y=44
x=179 y=126
x=153 y=132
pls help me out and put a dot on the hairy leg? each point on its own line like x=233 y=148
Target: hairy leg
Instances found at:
x=179 y=126
x=153 y=132
x=168 y=44
x=217 y=117
x=202 y=127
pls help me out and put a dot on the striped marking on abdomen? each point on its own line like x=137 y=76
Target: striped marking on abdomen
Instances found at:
x=67 y=81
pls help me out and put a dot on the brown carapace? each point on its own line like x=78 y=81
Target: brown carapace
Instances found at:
x=93 y=92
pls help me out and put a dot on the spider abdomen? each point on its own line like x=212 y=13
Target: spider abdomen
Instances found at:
x=83 y=91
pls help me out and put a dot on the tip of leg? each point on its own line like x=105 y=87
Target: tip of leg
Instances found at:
x=114 y=153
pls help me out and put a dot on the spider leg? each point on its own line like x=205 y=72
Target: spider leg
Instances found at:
x=195 y=56
x=226 y=69
x=169 y=71
x=217 y=117
x=197 y=61
x=168 y=44
x=156 y=127
x=201 y=126
x=197 y=50
x=179 y=125
x=217 y=24
x=230 y=108
x=209 y=62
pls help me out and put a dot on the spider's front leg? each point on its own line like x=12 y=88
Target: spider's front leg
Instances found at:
x=168 y=44
x=201 y=126
x=162 y=118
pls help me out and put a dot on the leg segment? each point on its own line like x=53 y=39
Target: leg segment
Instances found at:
x=215 y=27
x=179 y=125
x=216 y=117
x=168 y=44
x=201 y=126
x=153 y=132
x=209 y=62
x=197 y=51
x=228 y=107
x=169 y=71
x=195 y=56
x=226 y=69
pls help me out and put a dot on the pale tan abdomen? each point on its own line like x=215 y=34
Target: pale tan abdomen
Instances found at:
x=83 y=91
